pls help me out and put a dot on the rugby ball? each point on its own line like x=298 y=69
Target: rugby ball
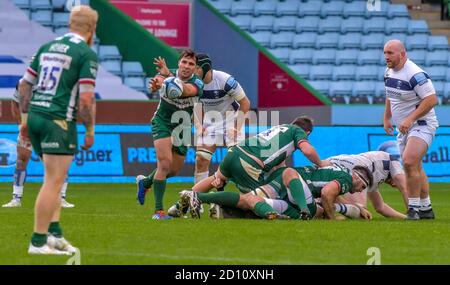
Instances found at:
x=173 y=87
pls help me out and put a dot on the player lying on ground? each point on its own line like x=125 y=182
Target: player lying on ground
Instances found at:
x=289 y=192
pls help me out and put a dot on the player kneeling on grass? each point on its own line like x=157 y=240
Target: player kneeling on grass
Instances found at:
x=290 y=192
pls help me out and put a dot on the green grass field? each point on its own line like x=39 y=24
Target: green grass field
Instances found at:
x=110 y=227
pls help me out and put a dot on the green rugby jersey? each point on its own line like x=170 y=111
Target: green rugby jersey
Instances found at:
x=57 y=70
x=274 y=145
x=317 y=178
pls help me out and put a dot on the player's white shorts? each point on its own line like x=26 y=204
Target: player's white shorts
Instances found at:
x=216 y=134
x=424 y=132
x=24 y=143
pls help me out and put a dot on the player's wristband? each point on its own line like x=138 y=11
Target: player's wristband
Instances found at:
x=90 y=131
x=23 y=118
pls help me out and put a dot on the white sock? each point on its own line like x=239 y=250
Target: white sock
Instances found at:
x=348 y=210
x=17 y=191
x=425 y=204
x=200 y=176
x=63 y=190
x=414 y=203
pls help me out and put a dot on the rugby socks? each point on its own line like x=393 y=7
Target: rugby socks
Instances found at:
x=414 y=203
x=38 y=240
x=148 y=181
x=64 y=189
x=296 y=187
x=159 y=189
x=199 y=176
x=55 y=229
x=262 y=209
x=230 y=199
x=19 y=180
x=425 y=204
x=348 y=210
x=292 y=212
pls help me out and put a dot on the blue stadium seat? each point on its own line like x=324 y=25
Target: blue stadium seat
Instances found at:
x=398 y=25
x=381 y=71
x=224 y=6
x=328 y=40
x=418 y=27
x=352 y=24
x=311 y=8
x=307 y=24
x=40 y=5
x=132 y=68
x=356 y=8
x=324 y=56
x=304 y=40
x=94 y=47
x=58 y=4
x=113 y=66
x=417 y=56
x=369 y=72
x=350 y=40
x=301 y=70
x=344 y=72
x=267 y=7
x=397 y=11
x=447 y=90
x=376 y=25
x=23 y=4
x=321 y=72
x=242 y=7
x=382 y=12
x=333 y=8
x=369 y=57
x=137 y=83
x=61 y=31
x=439 y=57
x=287 y=8
x=303 y=56
x=283 y=39
x=363 y=89
x=287 y=23
x=348 y=56
x=398 y=36
x=281 y=53
x=43 y=17
x=61 y=19
x=419 y=41
x=322 y=86
x=372 y=41
x=244 y=21
x=341 y=88
x=437 y=73
x=263 y=38
x=439 y=87
x=109 y=52
x=330 y=24
x=263 y=23
x=437 y=43
x=448 y=75
x=380 y=91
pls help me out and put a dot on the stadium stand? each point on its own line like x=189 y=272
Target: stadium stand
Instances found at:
x=337 y=45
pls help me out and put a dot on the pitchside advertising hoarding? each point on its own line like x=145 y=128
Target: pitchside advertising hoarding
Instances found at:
x=168 y=21
x=122 y=152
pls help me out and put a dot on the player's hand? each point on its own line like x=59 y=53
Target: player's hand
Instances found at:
x=217 y=182
x=161 y=66
x=405 y=125
x=388 y=128
x=305 y=216
x=364 y=213
x=155 y=83
x=23 y=131
x=88 y=142
x=233 y=134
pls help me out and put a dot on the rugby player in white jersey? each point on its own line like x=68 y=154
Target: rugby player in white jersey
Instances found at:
x=410 y=101
x=219 y=119
x=24 y=150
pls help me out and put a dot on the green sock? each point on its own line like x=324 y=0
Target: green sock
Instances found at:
x=298 y=194
x=159 y=189
x=262 y=209
x=292 y=212
x=148 y=181
x=55 y=229
x=38 y=240
x=229 y=199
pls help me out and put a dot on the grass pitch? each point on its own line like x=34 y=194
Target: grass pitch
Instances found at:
x=110 y=227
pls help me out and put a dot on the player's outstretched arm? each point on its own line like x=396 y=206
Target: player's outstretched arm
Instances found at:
x=310 y=152
x=400 y=183
x=189 y=90
x=382 y=208
x=328 y=195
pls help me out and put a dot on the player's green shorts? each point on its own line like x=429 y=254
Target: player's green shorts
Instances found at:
x=162 y=127
x=51 y=136
x=242 y=170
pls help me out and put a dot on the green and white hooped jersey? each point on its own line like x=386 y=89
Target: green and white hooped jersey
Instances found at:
x=317 y=178
x=61 y=70
x=274 y=145
x=183 y=103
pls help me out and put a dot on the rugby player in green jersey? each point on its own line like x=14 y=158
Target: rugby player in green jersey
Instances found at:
x=64 y=72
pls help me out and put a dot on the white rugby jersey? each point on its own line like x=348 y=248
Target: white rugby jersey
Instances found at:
x=221 y=95
x=405 y=89
x=381 y=164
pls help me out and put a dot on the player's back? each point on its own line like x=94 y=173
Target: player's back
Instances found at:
x=318 y=177
x=60 y=66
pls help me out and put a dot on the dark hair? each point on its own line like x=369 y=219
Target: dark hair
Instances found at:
x=304 y=122
x=188 y=53
x=366 y=174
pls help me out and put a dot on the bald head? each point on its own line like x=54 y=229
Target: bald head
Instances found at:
x=395 y=54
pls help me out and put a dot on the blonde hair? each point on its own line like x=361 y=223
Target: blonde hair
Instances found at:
x=83 y=19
